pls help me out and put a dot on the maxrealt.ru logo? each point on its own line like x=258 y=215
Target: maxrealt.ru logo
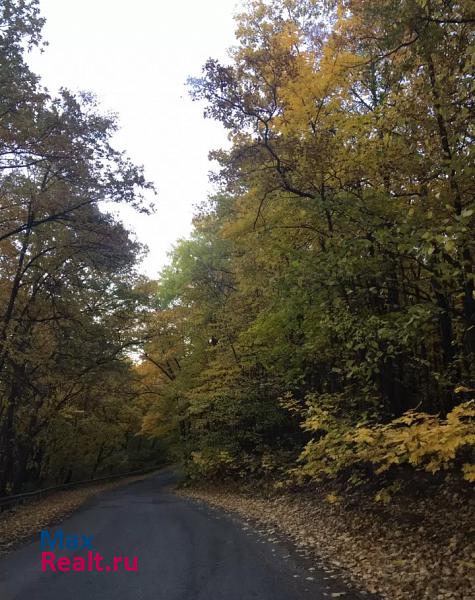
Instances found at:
x=89 y=560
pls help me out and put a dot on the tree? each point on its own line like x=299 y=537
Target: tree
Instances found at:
x=71 y=305
x=333 y=271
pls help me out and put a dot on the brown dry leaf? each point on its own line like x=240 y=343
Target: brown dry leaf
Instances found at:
x=23 y=521
x=422 y=550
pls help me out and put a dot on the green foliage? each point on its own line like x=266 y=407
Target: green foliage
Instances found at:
x=334 y=267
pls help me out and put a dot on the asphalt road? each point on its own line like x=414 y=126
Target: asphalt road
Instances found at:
x=184 y=550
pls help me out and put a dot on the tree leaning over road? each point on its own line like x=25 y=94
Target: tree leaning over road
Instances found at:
x=71 y=303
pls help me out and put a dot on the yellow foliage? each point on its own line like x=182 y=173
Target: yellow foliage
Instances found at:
x=383 y=496
x=211 y=462
x=290 y=403
x=461 y=389
x=469 y=472
x=423 y=441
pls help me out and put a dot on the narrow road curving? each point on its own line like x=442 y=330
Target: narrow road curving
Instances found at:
x=185 y=551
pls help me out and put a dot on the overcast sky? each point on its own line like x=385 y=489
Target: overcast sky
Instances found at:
x=136 y=57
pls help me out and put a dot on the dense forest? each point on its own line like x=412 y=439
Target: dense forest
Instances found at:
x=72 y=306
x=320 y=320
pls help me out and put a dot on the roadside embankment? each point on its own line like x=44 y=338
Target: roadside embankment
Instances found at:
x=24 y=520
x=409 y=549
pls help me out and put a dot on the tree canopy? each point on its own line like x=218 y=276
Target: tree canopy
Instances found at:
x=320 y=320
x=72 y=306
x=322 y=315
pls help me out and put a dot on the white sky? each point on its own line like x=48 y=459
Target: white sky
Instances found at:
x=136 y=56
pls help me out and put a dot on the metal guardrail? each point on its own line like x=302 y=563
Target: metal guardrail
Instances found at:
x=18 y=498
